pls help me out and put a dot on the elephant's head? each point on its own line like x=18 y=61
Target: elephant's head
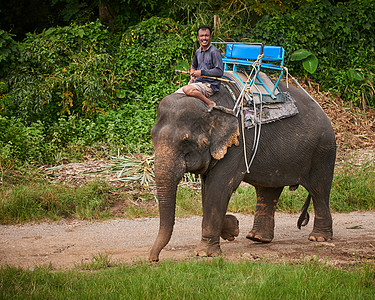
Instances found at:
x=187 y=138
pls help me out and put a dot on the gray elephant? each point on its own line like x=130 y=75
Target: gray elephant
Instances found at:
x=300 y=150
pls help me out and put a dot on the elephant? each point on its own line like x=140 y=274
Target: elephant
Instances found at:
x=299 y=150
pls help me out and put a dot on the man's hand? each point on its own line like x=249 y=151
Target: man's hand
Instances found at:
x=196 y=73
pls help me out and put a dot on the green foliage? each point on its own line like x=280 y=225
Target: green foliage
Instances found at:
x=62 y=71
x=83 y=86
x=74 y=9
x=20 y=142
x=239 y=13
x=148 y=52
x=309 y=60
x=342 y=36
x=146 y=58
x=8 y=47
x=68 y=81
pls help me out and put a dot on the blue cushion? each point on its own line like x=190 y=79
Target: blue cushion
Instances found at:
x=251 y=52
x=274 y=53
x=243 y=51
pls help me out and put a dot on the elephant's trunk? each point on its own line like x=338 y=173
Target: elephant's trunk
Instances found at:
x=168 y=173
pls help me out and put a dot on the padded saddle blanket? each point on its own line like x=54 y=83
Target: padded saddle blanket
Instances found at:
x=270 y=112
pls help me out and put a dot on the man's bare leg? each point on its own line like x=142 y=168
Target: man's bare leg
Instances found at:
x=190 y=90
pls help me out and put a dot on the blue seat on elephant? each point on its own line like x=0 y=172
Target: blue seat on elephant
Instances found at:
x=239 y=56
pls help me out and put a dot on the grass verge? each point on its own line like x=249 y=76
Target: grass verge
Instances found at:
x=208 y=279
x=40 y=201
x=352 y=190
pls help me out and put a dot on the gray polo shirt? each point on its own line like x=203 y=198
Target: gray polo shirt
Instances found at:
x=210 y=64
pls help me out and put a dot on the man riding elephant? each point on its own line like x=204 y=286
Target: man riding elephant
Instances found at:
x=207 y=61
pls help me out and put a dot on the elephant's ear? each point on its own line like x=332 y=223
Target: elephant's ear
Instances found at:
x=224 y=133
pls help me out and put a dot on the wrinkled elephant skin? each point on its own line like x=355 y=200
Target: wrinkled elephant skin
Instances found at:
x=299 y=150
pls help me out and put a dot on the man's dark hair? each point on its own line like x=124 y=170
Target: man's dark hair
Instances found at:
x=204 y=27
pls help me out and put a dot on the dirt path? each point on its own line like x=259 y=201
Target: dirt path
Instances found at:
x=66 y=244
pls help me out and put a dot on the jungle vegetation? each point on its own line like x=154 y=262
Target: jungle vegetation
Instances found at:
x=81 y=78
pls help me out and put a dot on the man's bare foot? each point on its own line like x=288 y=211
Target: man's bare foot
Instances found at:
x=211 y=106
x=224 y=109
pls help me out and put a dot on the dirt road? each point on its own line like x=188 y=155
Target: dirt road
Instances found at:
x=66 y=244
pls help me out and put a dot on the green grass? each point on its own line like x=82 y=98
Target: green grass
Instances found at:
x=40 y=201
x=188 y=202
x=207 y=279
x=352 y=190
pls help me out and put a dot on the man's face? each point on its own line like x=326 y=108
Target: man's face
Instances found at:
x=204 y=37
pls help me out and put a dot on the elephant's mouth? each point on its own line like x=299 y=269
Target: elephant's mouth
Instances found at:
x=197 y=163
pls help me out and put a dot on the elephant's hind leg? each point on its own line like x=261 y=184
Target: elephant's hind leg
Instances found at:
x=319 y=187
x=322 y=230
x=264 y=221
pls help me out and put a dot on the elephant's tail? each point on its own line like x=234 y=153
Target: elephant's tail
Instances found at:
x=304 y=218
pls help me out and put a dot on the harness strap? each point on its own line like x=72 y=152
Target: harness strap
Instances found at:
x=257 y=127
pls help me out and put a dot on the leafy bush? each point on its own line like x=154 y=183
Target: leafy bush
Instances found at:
x=68 y=82
x=147 y=57
x=7 y=49
x=342 y=36
x=62 y=71
x=80 y=86
x=20 y=142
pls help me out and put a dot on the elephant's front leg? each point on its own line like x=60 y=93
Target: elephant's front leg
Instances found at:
x=264 y=221
x=215 y=198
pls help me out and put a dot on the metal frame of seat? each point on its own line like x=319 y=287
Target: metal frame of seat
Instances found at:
x=248 y=56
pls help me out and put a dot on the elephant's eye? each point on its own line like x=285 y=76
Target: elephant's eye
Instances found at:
x=186 y=143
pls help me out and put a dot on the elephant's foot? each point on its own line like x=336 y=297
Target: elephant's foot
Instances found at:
x=260 y=236
x=320 y=237
x=322 y=230
x=230 y=228
x=263 y=229
x=205 y=249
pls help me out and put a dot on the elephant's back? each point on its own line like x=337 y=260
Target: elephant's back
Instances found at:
x=308 y=109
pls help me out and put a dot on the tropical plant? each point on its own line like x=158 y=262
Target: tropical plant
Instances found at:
x=342 y=35
x=309 y=60
x=7 y=48
x=63 y=71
